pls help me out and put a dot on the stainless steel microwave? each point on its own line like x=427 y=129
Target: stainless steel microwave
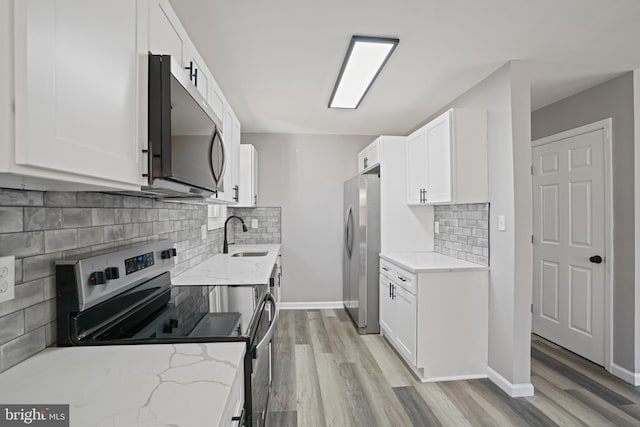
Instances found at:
x=186 y=152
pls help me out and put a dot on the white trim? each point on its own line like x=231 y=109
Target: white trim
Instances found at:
x=454 y=378
x=625 y=374
x=636 y=190
x=608 y=220
x=513 y=390
x=310 y=305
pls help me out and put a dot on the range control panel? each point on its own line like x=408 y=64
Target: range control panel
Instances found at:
x=138 y=262
x=100 y=276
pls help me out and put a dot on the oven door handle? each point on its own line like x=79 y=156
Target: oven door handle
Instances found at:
x=264 y=342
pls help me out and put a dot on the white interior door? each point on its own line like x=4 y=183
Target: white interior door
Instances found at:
x=569 y=231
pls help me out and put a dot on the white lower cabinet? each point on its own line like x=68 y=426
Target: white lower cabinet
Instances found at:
x=437 y=321
x=398 y=316
x=387 y=307
x=233 y=409
x=405 y=332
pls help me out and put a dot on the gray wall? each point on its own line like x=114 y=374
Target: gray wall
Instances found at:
x=304 y=174
x=505 y=95
x=610 y=99
x=38 y=228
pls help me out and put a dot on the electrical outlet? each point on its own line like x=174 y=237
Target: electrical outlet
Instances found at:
x=203 y=232
x=436 y=227
x=7 y=278
x=254 y=223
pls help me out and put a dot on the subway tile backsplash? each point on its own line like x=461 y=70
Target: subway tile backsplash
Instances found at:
x=40 y=227
x=464 y=232
x=269 y=225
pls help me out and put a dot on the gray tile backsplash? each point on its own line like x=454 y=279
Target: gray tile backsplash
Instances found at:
x=40 y=227
x=269 y=225
x=464 y=231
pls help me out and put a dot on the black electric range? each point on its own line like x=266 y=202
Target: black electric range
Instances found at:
x=125 y=296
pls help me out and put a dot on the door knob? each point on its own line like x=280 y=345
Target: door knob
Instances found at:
x=596 y=259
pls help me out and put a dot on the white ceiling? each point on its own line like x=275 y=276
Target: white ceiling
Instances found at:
x=277 y=60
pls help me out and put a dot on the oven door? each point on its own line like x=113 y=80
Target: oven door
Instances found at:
x=262 y=365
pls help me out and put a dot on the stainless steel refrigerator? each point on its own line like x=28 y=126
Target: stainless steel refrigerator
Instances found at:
x=360 y=266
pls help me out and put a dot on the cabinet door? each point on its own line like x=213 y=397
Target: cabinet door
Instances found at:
x=165 y=33
x=76 y=100
x=405 y=327
x=438 y=165
x=416 y=167
x=361 y=160
x=197 y=71
x=235 y=166
x=387 y=312
x=216 y=99
x=254 y=178
x=373 y=154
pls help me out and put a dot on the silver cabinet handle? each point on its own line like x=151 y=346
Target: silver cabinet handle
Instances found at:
x=272 y=328
x=385 y=268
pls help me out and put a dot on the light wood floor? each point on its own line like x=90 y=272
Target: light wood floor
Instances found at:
x=328 y=375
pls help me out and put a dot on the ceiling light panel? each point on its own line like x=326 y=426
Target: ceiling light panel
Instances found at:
x=364 y=59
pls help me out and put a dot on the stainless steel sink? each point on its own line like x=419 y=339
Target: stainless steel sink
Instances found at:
x=250 y=254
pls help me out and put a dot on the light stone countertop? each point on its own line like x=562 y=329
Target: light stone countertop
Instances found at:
x=430 y=262
x=223 y=269
x=130 y=385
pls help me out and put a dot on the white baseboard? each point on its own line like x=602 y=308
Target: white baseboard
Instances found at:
x=513 y=390
x=454 y=378
x=310 y=305
x=625 y=374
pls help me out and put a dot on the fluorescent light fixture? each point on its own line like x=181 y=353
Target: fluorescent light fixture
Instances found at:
x=363 y=62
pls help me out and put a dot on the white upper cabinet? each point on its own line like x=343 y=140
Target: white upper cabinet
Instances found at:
x=447 y=159
x=230 y=193
x=369 y=158
x=248 y=176
x=166 y=35
x=76 y=78
x=216 y=98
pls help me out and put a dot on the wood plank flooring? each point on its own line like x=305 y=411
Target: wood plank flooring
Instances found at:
x=328 y=375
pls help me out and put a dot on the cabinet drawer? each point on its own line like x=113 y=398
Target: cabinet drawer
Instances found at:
x=386 y=269
x=400 y=276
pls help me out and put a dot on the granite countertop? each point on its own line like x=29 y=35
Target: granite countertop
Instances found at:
x=430 y=262
x=223 y=269
x=132 y=385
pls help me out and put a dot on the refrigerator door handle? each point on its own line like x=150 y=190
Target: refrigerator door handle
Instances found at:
x=350 y=235
x=346 y=233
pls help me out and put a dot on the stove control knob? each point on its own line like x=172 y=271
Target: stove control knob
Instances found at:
x=173 y=323
x=166 y=328
x=112 y=273
x=97 y=278
x=168 y=253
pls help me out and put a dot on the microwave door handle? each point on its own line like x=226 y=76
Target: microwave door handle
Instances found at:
x=264 y=342
x=217 y=176
x=224 y=159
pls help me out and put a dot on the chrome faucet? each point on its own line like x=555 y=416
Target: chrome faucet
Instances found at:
x=225 y=245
